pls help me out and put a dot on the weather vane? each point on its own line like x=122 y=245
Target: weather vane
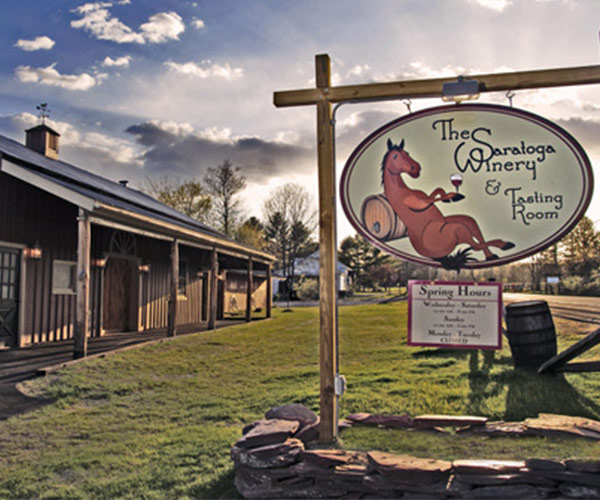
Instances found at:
x=44 y=112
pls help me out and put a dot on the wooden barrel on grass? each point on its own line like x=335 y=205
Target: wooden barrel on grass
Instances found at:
x=380 y=220
x=531 y=334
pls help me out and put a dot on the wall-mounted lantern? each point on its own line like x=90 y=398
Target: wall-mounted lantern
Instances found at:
x=98 y=262
x=34 y=253
x=144 y=268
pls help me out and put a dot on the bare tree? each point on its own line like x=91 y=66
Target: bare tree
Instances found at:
x=188 y=197
x=224 y=182
x=290 y=219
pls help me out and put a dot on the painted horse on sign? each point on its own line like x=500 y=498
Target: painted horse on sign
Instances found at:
x=432 y=234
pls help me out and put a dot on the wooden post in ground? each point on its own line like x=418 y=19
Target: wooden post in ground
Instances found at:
x=249 y=293
x=172 y=318
x=214 y=275
x=82 y=313
x=269 y=300
x=328 y=343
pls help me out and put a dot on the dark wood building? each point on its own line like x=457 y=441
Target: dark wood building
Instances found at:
x=81 y=256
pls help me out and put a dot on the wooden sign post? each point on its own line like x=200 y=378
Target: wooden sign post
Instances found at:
x=323 y=96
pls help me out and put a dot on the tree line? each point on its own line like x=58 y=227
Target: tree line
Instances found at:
x=286 y=228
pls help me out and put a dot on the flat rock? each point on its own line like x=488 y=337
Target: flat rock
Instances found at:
x=272 y=455
x=268 y=432
x=581 y=478
x=577 y=491
x=308 y=433
x=518 y=491
x=504 y=479
x=390 y=421
x=508 y=429
x=292 y=411
x=487 y=466
x=583 y=464
x=330 y=458
x=429 y=421
x=548 y=424
x=408 y=469
x=544 y=464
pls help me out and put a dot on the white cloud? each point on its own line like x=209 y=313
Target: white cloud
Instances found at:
x=497 y=5
x=49 y=76
x=163 y=27
x=198 y=24
x=173 y=128
x=97 y=19
x=122 y=62
x=206 y=69
x=38 y=43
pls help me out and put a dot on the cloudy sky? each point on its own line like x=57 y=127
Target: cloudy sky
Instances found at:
x=146 y=88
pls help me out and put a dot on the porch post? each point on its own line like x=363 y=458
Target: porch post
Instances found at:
x=269 y=301
x=214 y=272
x=82 y=313
x=172 y=319
x=249 y=292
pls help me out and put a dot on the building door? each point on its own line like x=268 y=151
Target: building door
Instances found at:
x=10 y=259
x=118 y=295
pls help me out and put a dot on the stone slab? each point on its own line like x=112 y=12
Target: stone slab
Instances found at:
x=583 y=464
x=272 y=455
x=487 y=466
x=390 y=421
x=519 y=491
x=577 y=491
x=268 y=432
x=544 y=464
x=503 y=479
x=429 y=421
x=292 y=411
x=408 y=469
x=560 y=425
x=331 y=458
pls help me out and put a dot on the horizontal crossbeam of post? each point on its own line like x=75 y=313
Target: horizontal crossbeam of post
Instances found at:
x=518 y=80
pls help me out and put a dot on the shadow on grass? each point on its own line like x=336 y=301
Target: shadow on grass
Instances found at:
x=222 y=487
x=528 y=394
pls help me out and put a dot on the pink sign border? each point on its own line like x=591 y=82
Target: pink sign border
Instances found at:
x=412 y=283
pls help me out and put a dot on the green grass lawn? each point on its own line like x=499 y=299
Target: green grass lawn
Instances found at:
x=159 y=421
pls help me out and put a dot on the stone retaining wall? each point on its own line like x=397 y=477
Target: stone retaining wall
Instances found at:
x=274 y=459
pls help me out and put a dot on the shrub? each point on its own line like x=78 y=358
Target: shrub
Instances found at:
x=307 y=289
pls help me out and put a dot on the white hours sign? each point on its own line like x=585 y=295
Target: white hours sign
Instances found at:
x=455 y=314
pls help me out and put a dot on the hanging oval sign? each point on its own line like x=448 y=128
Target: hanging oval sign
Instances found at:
x=466 y=186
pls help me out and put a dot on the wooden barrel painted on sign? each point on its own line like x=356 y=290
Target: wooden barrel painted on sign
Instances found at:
x=530 y=332
x=380 y=220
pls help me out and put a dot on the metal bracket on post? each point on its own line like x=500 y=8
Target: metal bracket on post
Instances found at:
x=340 y=385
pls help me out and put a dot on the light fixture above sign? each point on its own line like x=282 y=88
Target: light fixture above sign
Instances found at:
x=460 y=90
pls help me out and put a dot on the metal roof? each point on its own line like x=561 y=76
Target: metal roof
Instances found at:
x=97 y=187
x=103 y=190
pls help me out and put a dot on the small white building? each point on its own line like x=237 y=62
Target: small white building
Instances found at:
x=308 y=267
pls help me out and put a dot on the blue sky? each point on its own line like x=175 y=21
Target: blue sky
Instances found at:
x=147 y=88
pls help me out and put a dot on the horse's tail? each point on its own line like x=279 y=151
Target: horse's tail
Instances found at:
x=457 y=261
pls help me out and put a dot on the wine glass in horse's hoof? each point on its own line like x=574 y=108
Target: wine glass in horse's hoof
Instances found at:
x=457 y=197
